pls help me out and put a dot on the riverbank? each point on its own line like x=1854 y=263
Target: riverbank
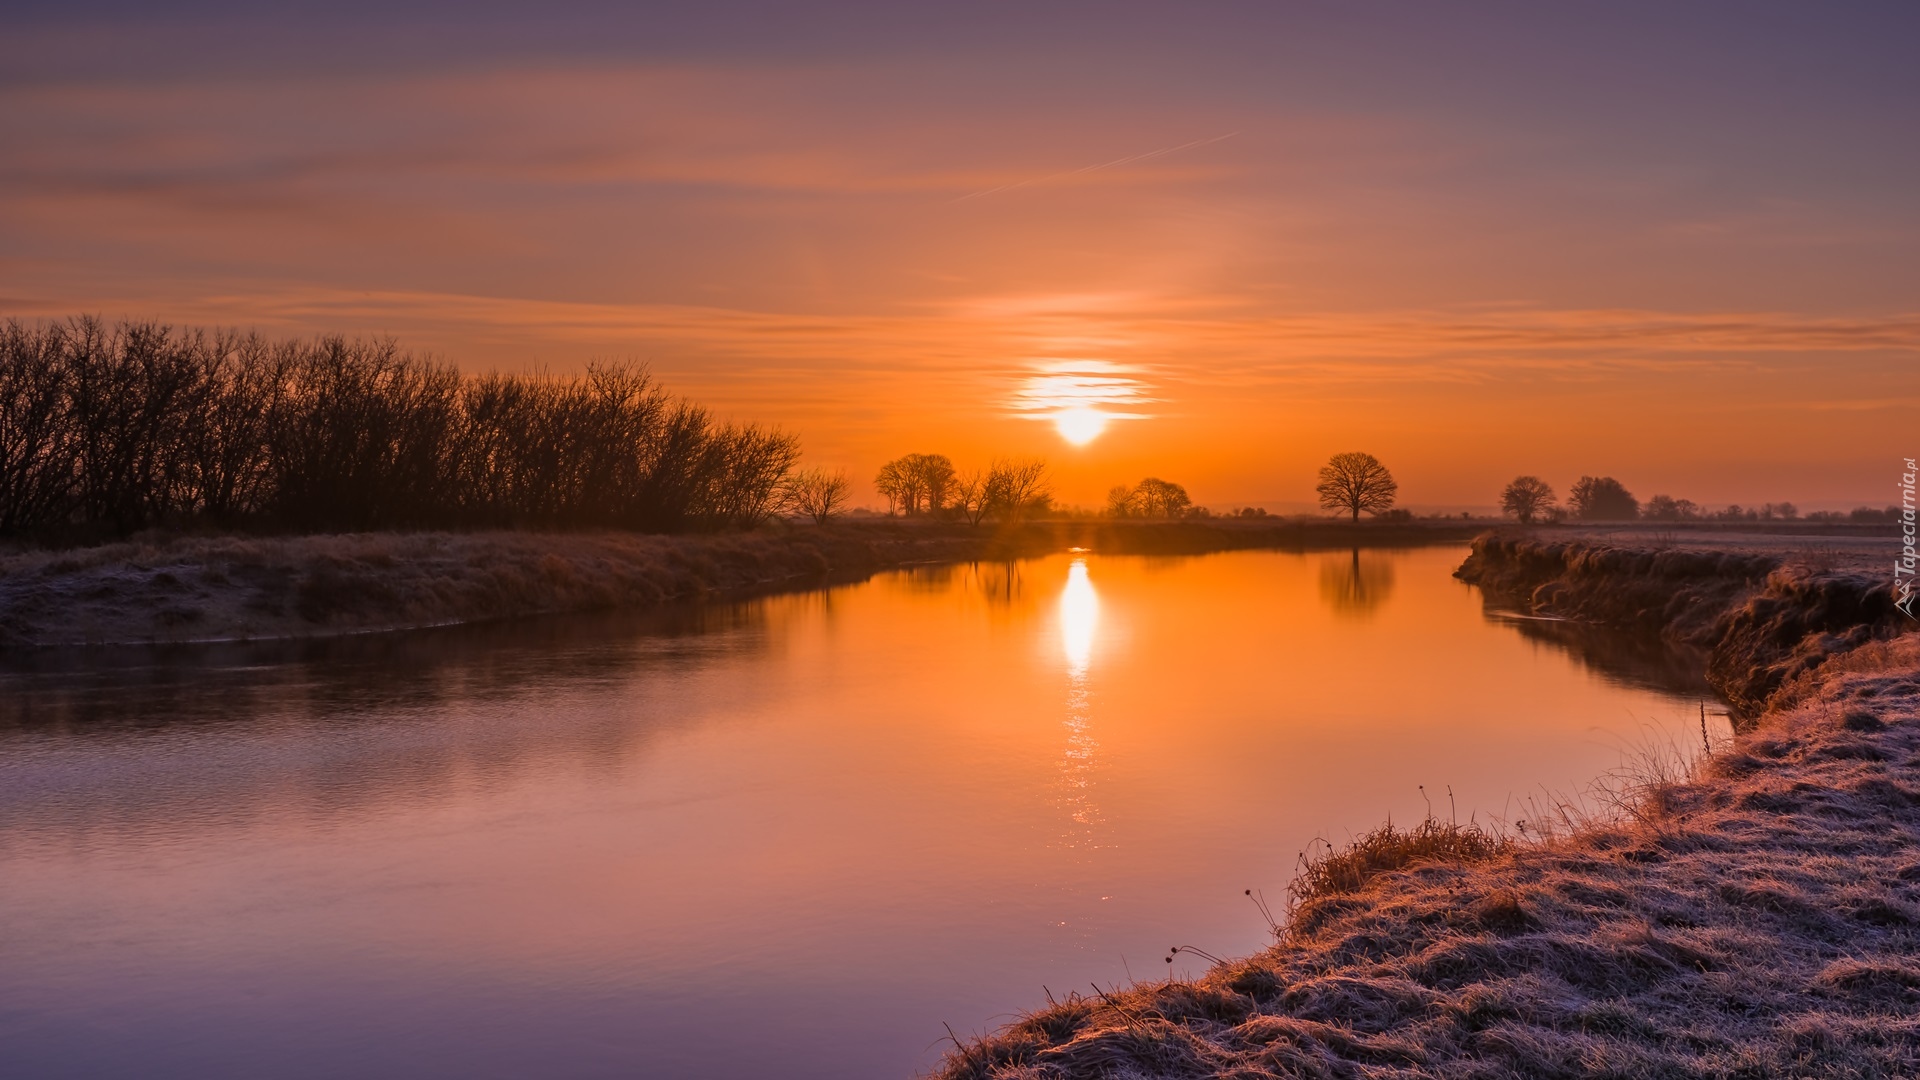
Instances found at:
x=1760 y=917
x=1765 y=614
x=201 y=589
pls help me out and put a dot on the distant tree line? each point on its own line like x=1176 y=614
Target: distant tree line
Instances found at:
x=1603 y=498
x=1009 y=490
x=107 y=430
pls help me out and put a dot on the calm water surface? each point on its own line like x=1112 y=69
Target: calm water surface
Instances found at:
x=789 y=837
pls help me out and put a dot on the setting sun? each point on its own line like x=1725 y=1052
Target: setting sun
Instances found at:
x=1080 y=426
x=1080 y=397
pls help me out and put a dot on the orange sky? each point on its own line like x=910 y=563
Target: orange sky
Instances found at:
x=1530 y=243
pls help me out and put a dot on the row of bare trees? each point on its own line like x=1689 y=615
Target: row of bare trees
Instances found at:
x=106 y=430
x=1009 y=489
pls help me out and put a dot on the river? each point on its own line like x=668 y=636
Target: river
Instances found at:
x=791 y=836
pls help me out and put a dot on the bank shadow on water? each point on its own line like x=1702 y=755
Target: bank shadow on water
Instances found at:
x=205 y=683
x=1358 y=583
x=340 y=724
x=1623 y=658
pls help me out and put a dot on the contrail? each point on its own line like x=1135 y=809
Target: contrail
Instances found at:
x=1128 y=160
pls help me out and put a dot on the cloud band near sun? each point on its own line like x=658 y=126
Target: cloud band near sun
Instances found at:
x=1081 y=397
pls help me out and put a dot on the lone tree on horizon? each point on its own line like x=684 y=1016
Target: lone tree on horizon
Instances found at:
x=1356 y=482
x=1526 y=497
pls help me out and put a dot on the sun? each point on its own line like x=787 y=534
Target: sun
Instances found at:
x=1081 y=397
x=1080 y=426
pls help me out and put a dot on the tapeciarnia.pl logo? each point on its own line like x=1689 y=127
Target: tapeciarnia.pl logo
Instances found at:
x=1903 y=566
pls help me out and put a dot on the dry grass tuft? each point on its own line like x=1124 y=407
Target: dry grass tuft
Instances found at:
x=1386 y=850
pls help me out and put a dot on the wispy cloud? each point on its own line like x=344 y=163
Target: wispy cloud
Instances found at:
x=1114 y=391
x=1101 y=340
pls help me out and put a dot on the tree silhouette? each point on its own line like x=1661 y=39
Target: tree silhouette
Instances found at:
x=1526 y=497
x=817 y=493
x=933 y=478
x=892 y=485
x=1668 y=508
x=972 y=495
x=1602 y=499
x=1162 y=498
x=1356 y=482
x=1152 y=497
x=1017 y=487
x=916 y=483
x=109 y=429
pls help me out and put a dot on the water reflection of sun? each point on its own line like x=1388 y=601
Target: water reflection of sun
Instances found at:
x=1079 y=760
x=1079 y=618
x=1081 y=397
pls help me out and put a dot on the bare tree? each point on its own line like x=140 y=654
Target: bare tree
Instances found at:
x=929 y=482
x=936 y=476
x=742 y=486
x=1356 y=482
x=917 y=483
x=972 y=495
x=1018 y=487
x=891 y=483
x=1668 y=508
x=1162 y=498
x=1602 y=498
x=1527 y=497
x=37 y=465
x=817 y=493
x=1152 y=497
